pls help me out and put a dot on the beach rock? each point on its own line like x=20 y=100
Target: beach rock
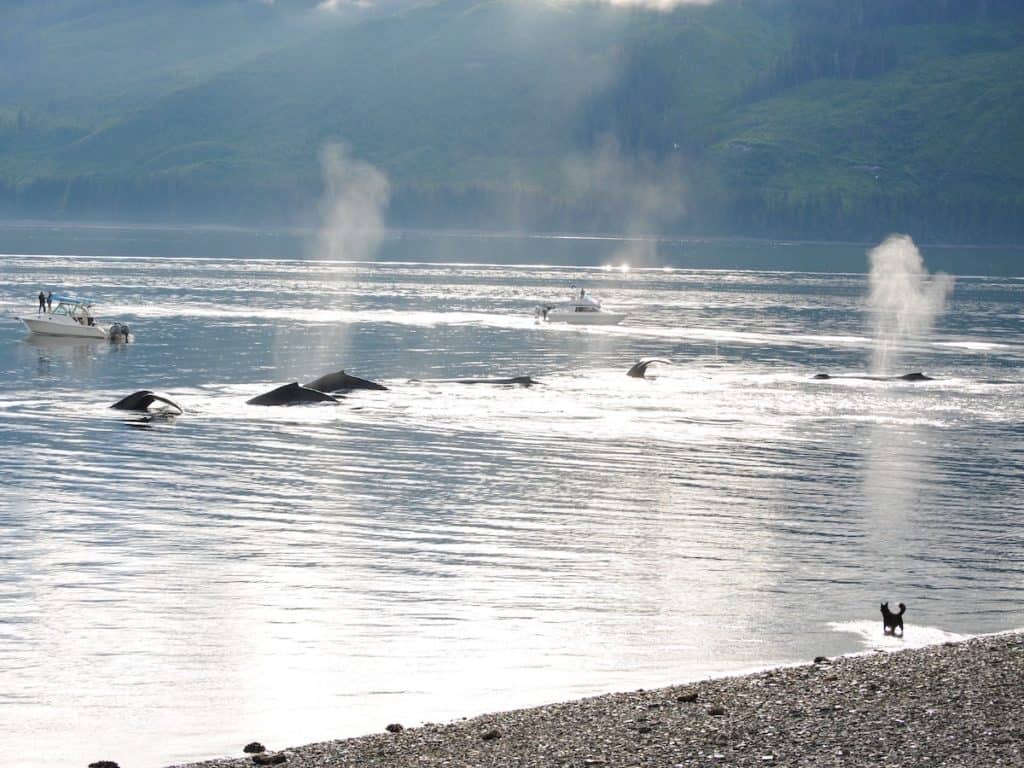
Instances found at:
x=104 y=764
x=716 y=711
x=822 y=660
x=491 y=735
x=395 y=728
x=687 y=698
x=253 y=747
x=269 y=758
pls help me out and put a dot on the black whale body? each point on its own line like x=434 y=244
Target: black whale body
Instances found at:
x=522 y=381
x=292 y=394
x=341 y=381
x=142 y=399
x=915 y=376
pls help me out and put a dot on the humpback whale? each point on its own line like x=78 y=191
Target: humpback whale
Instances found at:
x=141 y=400
x=522 y=381
x=915 y=376
x=639 y=370
x=340 y=381
x=292 y=394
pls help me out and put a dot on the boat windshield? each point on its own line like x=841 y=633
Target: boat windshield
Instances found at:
x=69 y=308
x=79 y=312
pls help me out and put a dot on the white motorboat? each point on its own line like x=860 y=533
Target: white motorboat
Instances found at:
x=580 y=310
x=73 y=317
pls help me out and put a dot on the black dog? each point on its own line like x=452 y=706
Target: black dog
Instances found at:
x=892 y=621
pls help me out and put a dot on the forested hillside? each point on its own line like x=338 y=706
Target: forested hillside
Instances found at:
x=792 y=118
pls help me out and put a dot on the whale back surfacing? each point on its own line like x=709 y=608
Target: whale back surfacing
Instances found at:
x=521 y=381
x=915 y=376
x=292 y=394
x=340 y=381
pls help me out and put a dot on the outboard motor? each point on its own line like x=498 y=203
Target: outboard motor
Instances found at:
x=119 y=332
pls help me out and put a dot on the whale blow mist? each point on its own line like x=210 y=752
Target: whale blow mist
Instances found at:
x=637 y=196
x=352 y=209
x=903 y=300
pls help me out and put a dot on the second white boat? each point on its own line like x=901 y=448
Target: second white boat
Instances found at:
x=580 y=310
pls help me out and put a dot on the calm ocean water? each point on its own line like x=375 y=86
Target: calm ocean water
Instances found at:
x=171 y=590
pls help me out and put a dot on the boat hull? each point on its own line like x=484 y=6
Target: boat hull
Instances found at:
x=586 y=318
x=46 y=326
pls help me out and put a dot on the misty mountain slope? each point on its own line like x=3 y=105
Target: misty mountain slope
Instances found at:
x=93 y=60
x=800 y=118
x=70 y=67
x=678 y=76
x=457 y=92
x=941 y=136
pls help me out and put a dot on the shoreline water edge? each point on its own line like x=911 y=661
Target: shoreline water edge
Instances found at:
x=954 y=704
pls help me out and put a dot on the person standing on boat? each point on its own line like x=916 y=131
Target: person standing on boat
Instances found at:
x=49 y=301
x=42 y=303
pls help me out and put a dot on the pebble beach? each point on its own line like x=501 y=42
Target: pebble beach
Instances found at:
x=957 y=704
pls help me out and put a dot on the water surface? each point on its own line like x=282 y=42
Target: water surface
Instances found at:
x=172 y=589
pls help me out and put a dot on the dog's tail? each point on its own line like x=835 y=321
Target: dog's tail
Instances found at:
x=903 y=609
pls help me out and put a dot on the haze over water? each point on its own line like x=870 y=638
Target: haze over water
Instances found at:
x=171 y=590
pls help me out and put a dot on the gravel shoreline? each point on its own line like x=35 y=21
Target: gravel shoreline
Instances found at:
x=957 y=704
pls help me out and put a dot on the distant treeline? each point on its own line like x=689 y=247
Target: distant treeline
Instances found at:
x=941 y=216
x=931 y=216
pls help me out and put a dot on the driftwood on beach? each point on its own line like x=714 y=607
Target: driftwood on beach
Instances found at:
x=951 y=705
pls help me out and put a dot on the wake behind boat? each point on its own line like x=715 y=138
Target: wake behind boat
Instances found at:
x=580 y=310
x=73 y=317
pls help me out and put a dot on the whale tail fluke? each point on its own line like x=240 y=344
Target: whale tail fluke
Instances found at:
x=142 y=399
x=639 y=369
